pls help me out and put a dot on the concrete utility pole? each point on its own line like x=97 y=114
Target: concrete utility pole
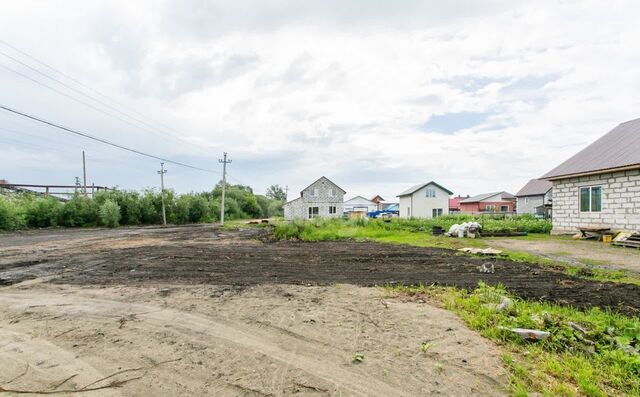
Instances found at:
x=77 y=184
x=162 y=172
x=286 y=193
x=84 y=173
x=224 y=162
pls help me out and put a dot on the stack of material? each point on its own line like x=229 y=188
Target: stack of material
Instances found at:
x=628 y=240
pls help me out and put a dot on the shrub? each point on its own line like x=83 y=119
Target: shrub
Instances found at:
x=110 y=213
x=10 y=216
x=42 y=212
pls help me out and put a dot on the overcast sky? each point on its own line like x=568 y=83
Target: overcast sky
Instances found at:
x=375 y=95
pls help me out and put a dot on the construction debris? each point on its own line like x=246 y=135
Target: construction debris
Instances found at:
x=467 y=229
x=631 y=240
x=481 y=251
x=528 y=334
x=487 y=268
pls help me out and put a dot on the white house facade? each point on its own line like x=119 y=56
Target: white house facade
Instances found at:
x=600 y=185
x=360 y=204
x=321 y=199
x=427 y=200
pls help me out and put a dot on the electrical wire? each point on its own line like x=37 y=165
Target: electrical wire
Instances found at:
x=103 y=141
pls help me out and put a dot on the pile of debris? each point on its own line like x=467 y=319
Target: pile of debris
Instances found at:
x=467 y=229
x=631 y=240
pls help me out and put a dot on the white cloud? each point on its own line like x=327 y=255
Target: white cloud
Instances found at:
x=294 y=92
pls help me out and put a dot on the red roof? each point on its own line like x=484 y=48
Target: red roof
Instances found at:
x=454 y=203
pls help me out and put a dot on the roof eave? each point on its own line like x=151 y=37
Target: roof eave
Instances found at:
x=594 y=172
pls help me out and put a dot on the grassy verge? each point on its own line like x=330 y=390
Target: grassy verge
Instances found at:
x=418 y=233
x=589 y=353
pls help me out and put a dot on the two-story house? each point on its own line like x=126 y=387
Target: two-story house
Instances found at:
x=323 y=199
x=427 y=200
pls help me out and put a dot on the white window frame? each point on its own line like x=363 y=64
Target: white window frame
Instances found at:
x=312 y=213
x=590 y=187
x=490 y=208
x=333 y=209
x=332 y=192
x=316 y=192
x=506 y=208
x=436 y=212
x=430 y=192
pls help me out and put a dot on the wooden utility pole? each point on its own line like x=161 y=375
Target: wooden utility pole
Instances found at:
x=162 y=172
x=224 y=162
x=84 y=173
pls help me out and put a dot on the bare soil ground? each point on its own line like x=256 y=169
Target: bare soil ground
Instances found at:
x=201 y=311
x=577 y=252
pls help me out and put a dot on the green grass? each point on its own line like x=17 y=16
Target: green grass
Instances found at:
x=603 y=362
x=418 y=233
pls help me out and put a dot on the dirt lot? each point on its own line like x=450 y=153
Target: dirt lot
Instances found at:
x=585 y=253
x=200 y=311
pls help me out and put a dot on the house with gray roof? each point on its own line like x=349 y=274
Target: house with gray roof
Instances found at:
x=426 y=200
x=600 y=185
x=321 y=199
x=535 y=198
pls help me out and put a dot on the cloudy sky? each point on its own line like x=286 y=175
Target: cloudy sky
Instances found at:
x=375 y=95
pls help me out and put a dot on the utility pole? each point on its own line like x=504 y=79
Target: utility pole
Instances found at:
x=84 y=173
x=77 y=185
x=286 y=193
x=224 y=162
x=162 y=172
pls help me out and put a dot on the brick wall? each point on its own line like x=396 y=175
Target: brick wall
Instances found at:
x=300 y=208
x=620 y=202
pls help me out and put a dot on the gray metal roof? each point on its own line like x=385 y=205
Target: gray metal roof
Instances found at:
x=620 y=147
x=535 y=187
x=485 y=196
x=415 y=188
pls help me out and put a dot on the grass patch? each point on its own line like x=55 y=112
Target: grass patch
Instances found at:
x=418 y=233
x=602 y=361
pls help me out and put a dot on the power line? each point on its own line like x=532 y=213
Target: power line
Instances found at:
x=90 y=89
x=78 y=100
x=101 y=140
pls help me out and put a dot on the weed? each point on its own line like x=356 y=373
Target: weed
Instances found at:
x=425 y=346
x=357 y=358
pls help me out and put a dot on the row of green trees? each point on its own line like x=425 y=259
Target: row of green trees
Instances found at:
x=119 y=207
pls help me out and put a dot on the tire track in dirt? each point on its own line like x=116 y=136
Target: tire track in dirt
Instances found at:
x=323 y=362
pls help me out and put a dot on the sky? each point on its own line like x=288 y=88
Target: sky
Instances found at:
x=375 y=95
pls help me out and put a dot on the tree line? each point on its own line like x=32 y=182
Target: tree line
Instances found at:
x=120 y=207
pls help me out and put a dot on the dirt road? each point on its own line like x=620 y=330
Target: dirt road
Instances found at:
x=201 y=311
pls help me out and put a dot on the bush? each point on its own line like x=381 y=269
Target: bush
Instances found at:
x=42 y=212
x=10 y=215
x=110 y=213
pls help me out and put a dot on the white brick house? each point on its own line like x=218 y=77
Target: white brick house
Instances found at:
x=323 y=199
x=427 y=200
x=600 y=186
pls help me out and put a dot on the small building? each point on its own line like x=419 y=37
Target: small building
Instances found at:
x=600 y=185
x=535 y=198
x=427 y=200
x=454 y=204
x=359 y=204
x=497 y=202
x=323 y=199
x=379 y=202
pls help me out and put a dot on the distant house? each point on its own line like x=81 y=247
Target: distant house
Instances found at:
x=379 y=202
x=427 y=200
x=454 y=204
x=322 y=198
x=600 y=185
x=489 y=202
x=535 y=198
x=359 y=204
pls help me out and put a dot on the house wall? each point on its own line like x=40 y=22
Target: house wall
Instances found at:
x=620 y=202
x=299 y=208
x=422 y=206
x=528 y=204
x=360 y=204
x=469 y=208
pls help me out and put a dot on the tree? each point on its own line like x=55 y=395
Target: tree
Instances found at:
x=276 y=192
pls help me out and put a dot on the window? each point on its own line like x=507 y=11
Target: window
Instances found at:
x=430 y=192
x=504 y=208
x=436 y=212
x=526 y=200
x=490 y=207
x=332 y=193
x=332 y=210
x=313 y=212
x=591 y=199
x=316 y=192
